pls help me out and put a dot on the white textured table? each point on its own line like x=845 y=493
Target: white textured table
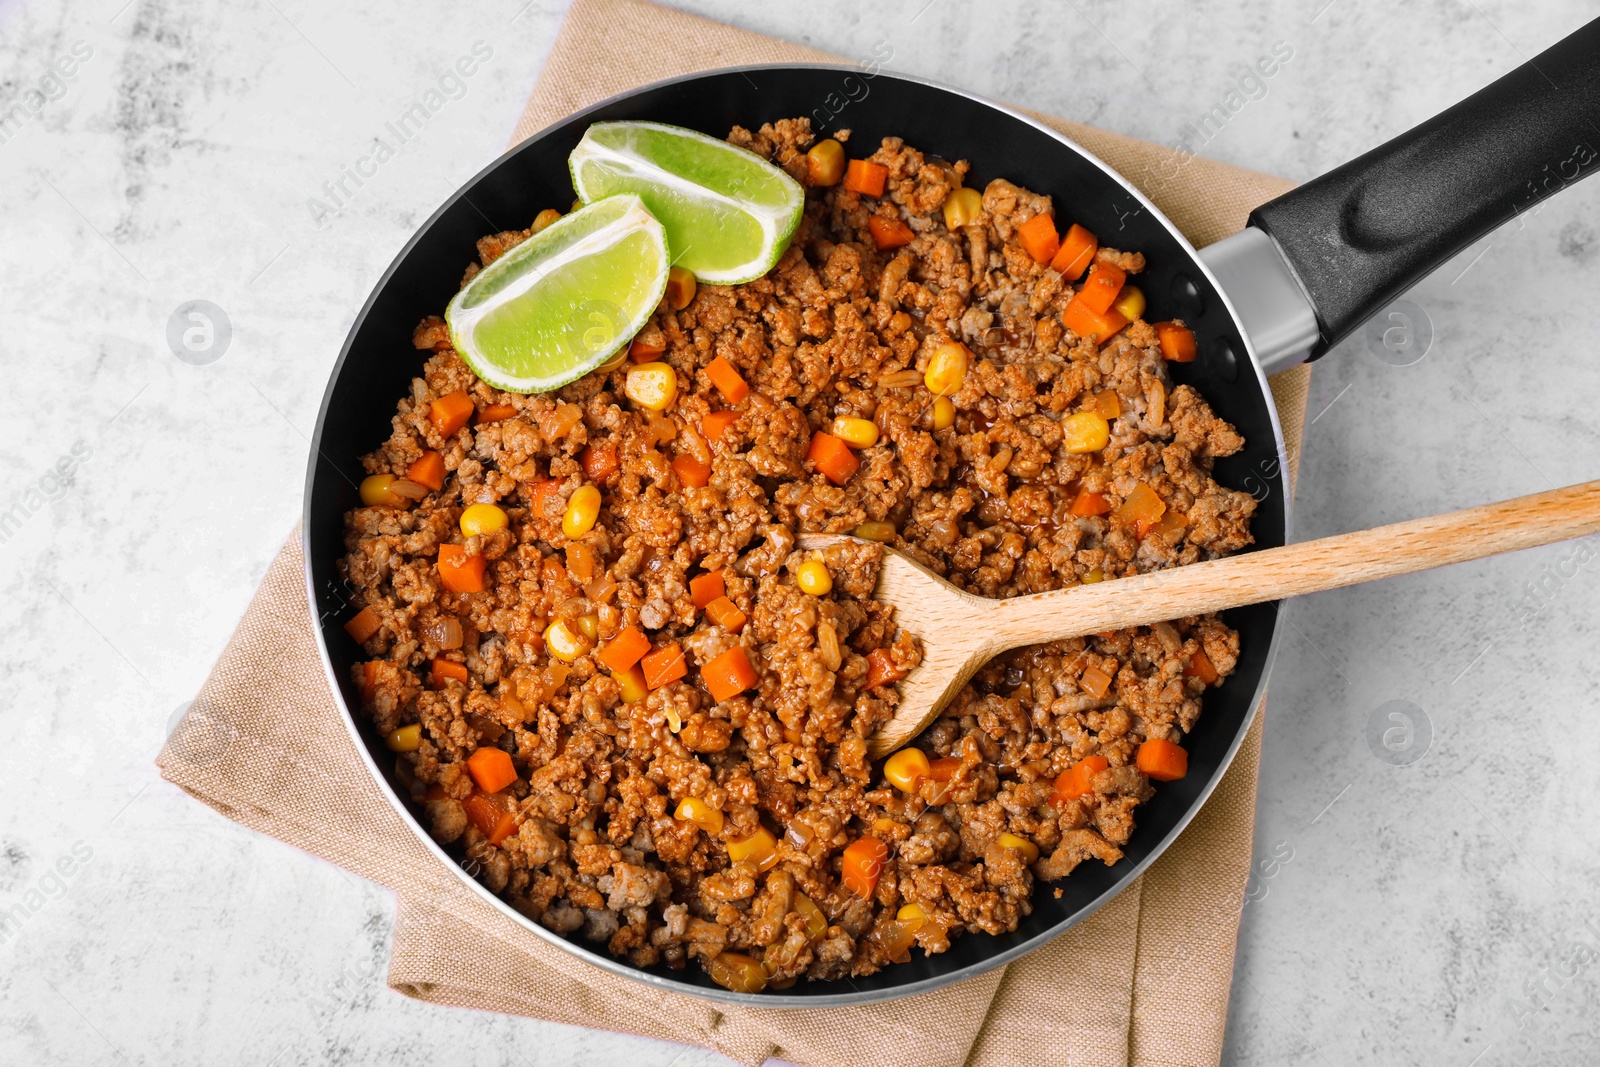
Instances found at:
x=1422 y=911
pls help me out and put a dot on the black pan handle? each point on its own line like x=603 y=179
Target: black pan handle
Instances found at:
x=1361 y=235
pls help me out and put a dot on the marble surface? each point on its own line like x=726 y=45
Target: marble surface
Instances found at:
x=1425 y=885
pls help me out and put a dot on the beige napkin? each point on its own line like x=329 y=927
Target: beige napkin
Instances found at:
x=1144 y=981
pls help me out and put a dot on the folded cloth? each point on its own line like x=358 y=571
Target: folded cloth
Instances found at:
x=1143 y=981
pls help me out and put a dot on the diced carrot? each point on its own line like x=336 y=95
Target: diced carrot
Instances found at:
x=1078 y=779
x=940 y=772
x=705 y=588
x=365 y=680
x=729 y=674
x=728 y=381
x=865 y=177
x=491 y=768
x=888 y=232
x=666 y=664
x=495 y=413
x=494 y=815
x=881 y=669
x=450 y=412
x=1038 y=237
x=1095 y=682
x=442 y=670
x=1087 y=503
x=1101 y=287
x=832 y=458
x=1108 y=404
x=1076 y=253
x=1201 y=667
x=692 y=471
x=624 y=650
x=580 y=561
x=599 y=461
x=716 y=423
x=1162 y=760
x=863 y=862
x=533 y=637
x=363 y=625
x=726 y=614
x=428 y=470
x=1141 y=509
x=1177 y=342
x=1084 y=321
x=642 y=351
x=460 y=572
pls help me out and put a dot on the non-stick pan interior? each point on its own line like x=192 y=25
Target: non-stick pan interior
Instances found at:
x=378 y=363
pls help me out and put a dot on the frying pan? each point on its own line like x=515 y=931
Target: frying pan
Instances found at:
x=1309 y=268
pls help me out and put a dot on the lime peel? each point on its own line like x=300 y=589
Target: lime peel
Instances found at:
x=564 y=301
x=729 y=214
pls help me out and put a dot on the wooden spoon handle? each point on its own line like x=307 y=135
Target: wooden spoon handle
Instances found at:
x=1308 y=567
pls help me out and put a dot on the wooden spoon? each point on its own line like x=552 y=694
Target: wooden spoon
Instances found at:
x=960 y=632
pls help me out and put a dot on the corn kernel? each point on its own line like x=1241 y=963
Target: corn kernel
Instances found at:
x=912 y=915
x=631 y=682
x=1130 y=302
x=544 y=219
x=825 y=163
x=589 y=625
x=882 y=532
x=812 y=577
x=947 y=369
x=681 y=285
x=816 y=922
x=1027 y=849
x=563 y=644
x=701 y=813
x=961 y=208
x=761 y=848
x=583 y=508
x=483 y=519
x=1086 y=431
x=944 y=413
x=405 y=739
x=738 y=972
x=857 y=433
x=1096 y=575
x=377 y=491
x=652 y=385
x=906 y=769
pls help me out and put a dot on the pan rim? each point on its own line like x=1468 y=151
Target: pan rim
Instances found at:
x=660 y=983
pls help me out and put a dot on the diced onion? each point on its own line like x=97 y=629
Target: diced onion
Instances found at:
x=443 y=631
x=409 y=489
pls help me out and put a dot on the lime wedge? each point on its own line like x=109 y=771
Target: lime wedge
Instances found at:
x=729 y=213
x=559 y=304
